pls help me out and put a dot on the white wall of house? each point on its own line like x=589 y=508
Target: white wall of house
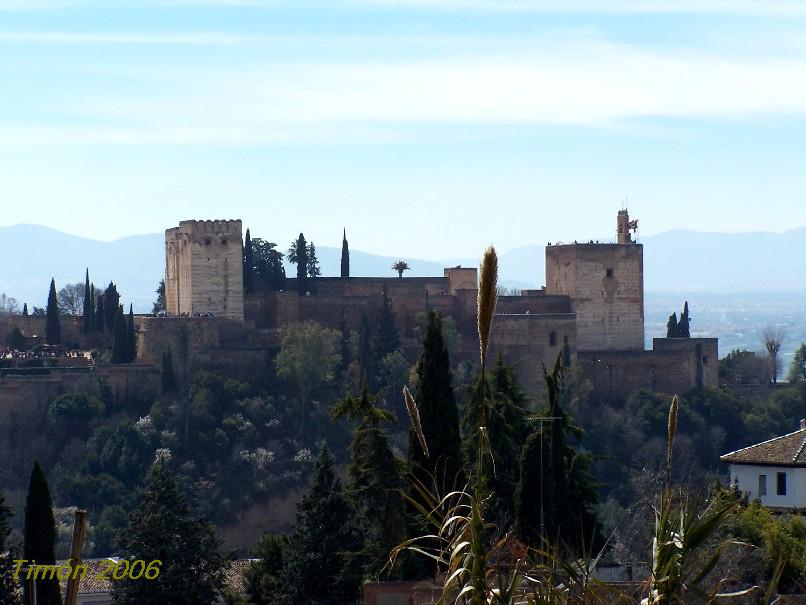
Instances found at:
x=746 y=476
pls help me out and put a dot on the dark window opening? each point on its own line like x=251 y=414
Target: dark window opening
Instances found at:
x=553 y=339
x=224 y=242
x=762 y=485
x=610 y=273
x=781 y=484
x=208 y=241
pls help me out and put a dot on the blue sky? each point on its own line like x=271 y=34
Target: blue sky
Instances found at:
x=429 y=128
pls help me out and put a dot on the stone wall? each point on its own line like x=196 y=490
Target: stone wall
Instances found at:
x=673 y=366
x=34 y=328
x=532 y=342
x=606 y=284
x=204 y=269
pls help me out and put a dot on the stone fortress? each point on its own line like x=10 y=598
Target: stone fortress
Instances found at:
x=593 y=301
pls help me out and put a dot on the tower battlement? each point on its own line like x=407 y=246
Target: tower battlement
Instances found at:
x=203 y=269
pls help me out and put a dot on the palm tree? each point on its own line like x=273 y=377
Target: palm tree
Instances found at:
x=401 y=266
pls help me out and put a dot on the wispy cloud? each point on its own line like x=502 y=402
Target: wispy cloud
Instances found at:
x=65 y=37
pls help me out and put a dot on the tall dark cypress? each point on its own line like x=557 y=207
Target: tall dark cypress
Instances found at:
x=555 y=497
x=25 y=310
x=120 y=345
x=684 y=327
x=387 y=338
x=167 y=375
x=53 y=332
x=672 y=328
x=345 y=256
x=248 y=264
x=88 y=310
x=365 y=357
x=100 y=314
x=111 y=303
x=131 y=337
x=438 y=414
x=302 y=265
x=40 y=535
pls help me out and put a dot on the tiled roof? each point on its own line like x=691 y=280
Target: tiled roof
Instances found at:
x=789 y=450
x=91 y=584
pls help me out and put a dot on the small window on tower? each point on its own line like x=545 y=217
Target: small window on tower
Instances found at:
x=224 y=242
x=208 y=241
x=553 y=339
x=610 y=273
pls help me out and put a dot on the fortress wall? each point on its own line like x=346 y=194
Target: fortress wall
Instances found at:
x=532 y=341
x=35 y=326
x=671 y=367
x=534 y=304
x=606 y=284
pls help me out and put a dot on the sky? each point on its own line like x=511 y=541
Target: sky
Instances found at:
x=426 y=128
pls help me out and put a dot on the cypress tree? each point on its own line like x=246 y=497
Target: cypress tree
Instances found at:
x=672 y=329
x=375 y=482
x=438 y=414
x=9 y=588
x=314 y=270
x=345 y=256
x=40 y=535
x=100 y=314
x=684 y=327
x=248 y=264
x=500 y=406
x=87 y=313
x=318 y=568
x=53 y=332
x=167 y=376
x=131 y=337
x=120 y=345
x=163 y=528
x=365 y=354
x=25 y=310
x=387 y=338
x=556 y=494
x=111 y=303
x=302 y=265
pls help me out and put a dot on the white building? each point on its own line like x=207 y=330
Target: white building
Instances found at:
x=773 y=471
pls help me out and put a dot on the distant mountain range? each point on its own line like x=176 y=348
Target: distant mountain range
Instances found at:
x=675 y=262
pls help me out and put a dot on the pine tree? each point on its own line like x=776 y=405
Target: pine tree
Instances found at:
x=131 y=338
x=100 y=314
x=345 y=256
x=684 y=327
x=672 y=329
x=167 y=376
x=375 y=482
x=248 y=265
x=40 y=535
x=120 y=345
x=88 y=311
x=25 y=310
x=387 y=338
x=9 y=588
x=318 y=568
x=556 y=495
x=162 y=528
x=438 y=414
x=53 y=333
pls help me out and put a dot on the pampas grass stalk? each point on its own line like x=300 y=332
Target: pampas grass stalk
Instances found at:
x=488 y=281
x=414 y=414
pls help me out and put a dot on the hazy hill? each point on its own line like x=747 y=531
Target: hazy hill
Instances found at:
x=675 y=262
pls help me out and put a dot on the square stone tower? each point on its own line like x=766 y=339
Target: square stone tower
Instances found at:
x=606 y=285
x=204 y=269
